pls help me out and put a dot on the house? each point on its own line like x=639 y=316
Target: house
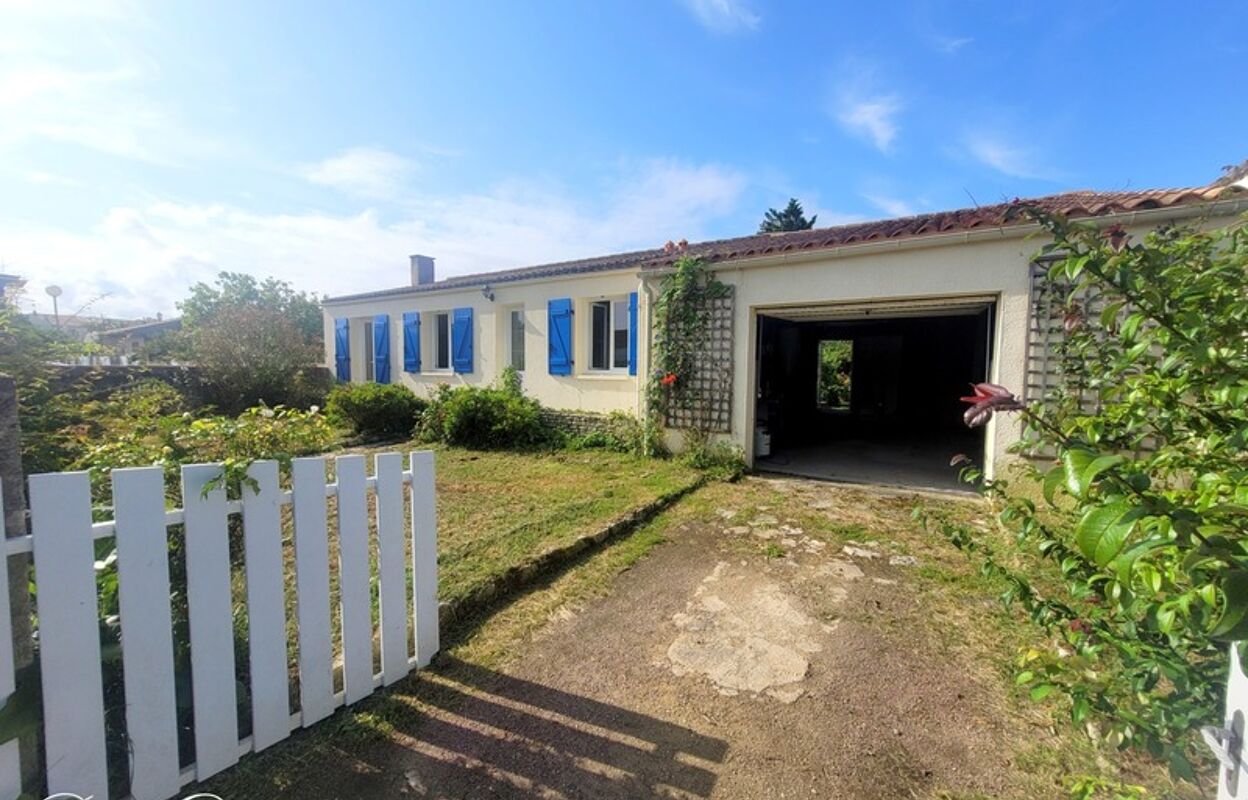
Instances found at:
x=902 y=314
x=130 y=342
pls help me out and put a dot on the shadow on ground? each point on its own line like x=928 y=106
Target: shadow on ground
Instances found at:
x=472 y=732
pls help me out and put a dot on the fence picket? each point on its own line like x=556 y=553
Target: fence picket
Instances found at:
x=10 y=755
x=391 y=573
x=147 y=631
x=316 y=684
x=71 y=671
x=424 y=556
x=69 y=634
x=353 y=578
x=266 y=607
x=211 y=621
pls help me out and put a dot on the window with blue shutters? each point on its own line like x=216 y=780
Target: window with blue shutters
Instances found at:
x=381 y=348
x=559 y=335
x=461 y=340
x=411 y=341
x=342 y=349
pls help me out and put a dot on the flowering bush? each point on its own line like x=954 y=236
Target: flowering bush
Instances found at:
x=1145 y=509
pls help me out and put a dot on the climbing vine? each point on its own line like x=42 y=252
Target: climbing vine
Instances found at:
x=682 y=315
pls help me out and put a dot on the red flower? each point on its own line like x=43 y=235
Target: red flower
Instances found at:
x=668 y=379
x=988 y=398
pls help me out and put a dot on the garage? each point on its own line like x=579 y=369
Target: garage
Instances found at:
x=868 y=392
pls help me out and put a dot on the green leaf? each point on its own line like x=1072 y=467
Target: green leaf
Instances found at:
x=1053 y=479
x=1075 y=461
x=1099 y=464
x=1041 y=691
x=1233 y=624
x=1103 y=529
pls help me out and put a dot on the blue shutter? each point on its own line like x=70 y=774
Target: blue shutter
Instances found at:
x=411 y=341
x=342 y=348
x=381 y=348
x=461 y=340
x=559 y=334
x=632 y=334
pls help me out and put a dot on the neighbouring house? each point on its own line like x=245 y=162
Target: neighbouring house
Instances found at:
x=841 y=352
x=130 y=342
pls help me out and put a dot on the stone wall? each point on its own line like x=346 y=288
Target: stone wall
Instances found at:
x=575 y=423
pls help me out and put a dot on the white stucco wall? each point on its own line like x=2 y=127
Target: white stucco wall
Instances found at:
x=583 y=390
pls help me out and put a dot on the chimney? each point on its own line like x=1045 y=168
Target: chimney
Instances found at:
x=422 y=270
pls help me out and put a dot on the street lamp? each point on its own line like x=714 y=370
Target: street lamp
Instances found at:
x=55 y=292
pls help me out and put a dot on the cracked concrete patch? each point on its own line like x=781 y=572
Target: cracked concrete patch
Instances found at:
x=745 y=634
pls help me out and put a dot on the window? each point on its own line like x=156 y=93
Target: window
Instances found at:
x=608 y=341
x=835 y=380
x=442 y=341
x=517 y=339
x=368 y=352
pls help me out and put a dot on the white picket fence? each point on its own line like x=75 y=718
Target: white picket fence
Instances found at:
x=62 y=542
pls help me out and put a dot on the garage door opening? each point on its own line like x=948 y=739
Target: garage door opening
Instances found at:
x=869 y=393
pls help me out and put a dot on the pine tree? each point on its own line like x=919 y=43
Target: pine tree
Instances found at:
x=792 y=218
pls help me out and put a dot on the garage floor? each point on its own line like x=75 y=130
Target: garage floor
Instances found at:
x=918 y=465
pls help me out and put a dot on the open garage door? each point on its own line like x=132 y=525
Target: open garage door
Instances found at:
x=868 y=392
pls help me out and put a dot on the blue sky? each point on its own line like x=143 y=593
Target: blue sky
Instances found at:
x=144 y=146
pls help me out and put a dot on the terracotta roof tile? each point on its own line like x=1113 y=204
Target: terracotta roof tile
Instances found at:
x=1072 y=204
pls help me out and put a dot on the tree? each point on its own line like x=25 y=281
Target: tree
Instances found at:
x=46 y=406
x=255 y=341
x=233 y=289
x=1145 y=508
x=792 y=218
x=250 y=353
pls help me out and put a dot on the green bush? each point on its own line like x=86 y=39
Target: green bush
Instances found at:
x=491 y=418
x=722 y=459
x=375 y=410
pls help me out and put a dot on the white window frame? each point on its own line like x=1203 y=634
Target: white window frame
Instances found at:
x=436 y=339
x=511 y=338
x=616 y=306
x=370 y=356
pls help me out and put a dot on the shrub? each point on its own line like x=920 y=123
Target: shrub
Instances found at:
x=375 y=410
x=492 y=418
x=170 y=440
x=1144 y=509
x=722 y=459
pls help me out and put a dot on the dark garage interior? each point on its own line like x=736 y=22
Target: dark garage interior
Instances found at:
x=864 y=398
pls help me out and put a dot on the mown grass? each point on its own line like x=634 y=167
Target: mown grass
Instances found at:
x=499 y=509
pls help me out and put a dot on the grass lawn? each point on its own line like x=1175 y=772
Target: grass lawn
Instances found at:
x=500 y=509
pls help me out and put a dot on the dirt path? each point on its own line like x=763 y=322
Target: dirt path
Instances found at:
x=790 y=640
x=715 y=670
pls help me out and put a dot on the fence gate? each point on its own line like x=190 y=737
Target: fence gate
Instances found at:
x=217 y=567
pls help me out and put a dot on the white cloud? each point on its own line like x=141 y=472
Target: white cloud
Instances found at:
x=1017 y=161
x=892 y=206
x=724 y=16
x=363 y=171
x=950 y=44
x=873 y=118
x=145 y=258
